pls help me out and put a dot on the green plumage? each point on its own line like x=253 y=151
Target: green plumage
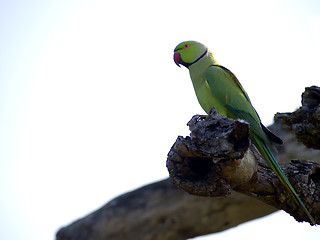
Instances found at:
x=217 y=86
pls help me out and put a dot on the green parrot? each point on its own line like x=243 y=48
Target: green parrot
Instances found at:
x=217 y=86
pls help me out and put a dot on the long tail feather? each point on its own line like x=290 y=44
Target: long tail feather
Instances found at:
x=268 y=156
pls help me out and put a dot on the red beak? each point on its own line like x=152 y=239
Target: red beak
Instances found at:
x=177 y=58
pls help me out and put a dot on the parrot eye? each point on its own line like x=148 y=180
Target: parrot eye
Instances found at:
x=186 y=46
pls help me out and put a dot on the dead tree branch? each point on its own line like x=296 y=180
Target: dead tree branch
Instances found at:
x=216 y=159
x=160 y=211
x=305 y=121
x=204 y=164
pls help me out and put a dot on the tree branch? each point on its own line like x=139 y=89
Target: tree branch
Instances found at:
x=305 y=121
x=216 y=159
x=161 y=211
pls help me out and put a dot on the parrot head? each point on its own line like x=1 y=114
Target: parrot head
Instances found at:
x=189 y=52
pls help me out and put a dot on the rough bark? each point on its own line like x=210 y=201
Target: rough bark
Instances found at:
x=305 y=121
x=161 y=211
x=200 y=164
x=216 y=160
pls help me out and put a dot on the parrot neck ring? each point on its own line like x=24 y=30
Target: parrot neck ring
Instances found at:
x=178 y=60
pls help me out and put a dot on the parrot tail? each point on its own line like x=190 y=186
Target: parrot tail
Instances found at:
x=268 y=156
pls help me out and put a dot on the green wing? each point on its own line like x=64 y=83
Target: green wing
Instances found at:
x=227 y=89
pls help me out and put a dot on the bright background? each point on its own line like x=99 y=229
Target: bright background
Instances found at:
x=91 y=100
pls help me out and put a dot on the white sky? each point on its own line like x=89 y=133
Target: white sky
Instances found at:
x=91 y=100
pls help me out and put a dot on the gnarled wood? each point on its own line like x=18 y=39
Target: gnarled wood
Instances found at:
x=305 y=121
x=216 y=159
x=162 y=211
